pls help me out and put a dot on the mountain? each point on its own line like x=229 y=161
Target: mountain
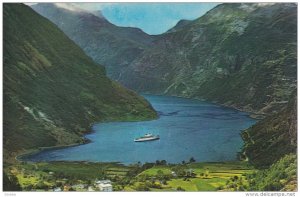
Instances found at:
x=112 y=46
x=180 y=25
x=273 y=137
x=240 y=55
x=52 y=91
x=281 y=176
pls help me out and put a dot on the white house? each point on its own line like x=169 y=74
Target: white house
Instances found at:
x=90 y=189
x=173 y=173
x=103 y=181
x=57 y=189
x=104 y=185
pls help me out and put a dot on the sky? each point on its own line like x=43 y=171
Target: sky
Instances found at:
x=152 y=18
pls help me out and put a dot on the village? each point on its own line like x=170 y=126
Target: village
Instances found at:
x=108 y=177
x=99 y=185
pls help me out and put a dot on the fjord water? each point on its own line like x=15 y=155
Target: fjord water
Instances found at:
x=187 y=128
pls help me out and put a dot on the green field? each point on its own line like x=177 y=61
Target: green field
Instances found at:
x=208 y=177
x=205 y=176
x=51 y=174
x=153 y=170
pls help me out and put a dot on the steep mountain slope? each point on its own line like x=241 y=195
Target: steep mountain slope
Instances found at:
x=281 y=176
x=53 y=92
x=241 y=55
x=272 y=138
x=112 y=46
x=180 y=25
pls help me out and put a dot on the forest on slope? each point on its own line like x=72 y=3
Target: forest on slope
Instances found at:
x=53 y=92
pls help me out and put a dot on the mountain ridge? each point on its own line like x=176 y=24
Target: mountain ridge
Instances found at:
x=112 y=46
x=52 y=91
x=216 y=56
x=241 y=55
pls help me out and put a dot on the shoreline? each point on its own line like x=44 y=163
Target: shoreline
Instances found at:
x=35 y=151
x=20 y=157
x=252 y=113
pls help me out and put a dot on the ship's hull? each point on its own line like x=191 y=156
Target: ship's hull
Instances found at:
x=146 y=139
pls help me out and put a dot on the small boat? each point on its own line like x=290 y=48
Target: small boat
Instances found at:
x=147 y=137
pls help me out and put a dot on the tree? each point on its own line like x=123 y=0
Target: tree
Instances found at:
x=89 y=182
x=141 y=187
x=179 y=170
x=59 y=184
x=142 y=177
x=180 y=189
x=235 y=178
x=160 y=174
x=41 y=185
x=147 y=165
x=134 y=170
x=72 y=189
x=117 y=187
x=10 y=183
x=273 y=186
x=241 y=188
x=163 y=162
x=28 y=188
x=206 y=172
x=116 y=178
x=156 y=185
x=192 y=160
x=102 y=173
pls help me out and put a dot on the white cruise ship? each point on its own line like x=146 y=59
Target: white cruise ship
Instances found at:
x=147 y=137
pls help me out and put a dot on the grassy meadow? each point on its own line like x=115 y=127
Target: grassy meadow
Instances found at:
x=229 y=176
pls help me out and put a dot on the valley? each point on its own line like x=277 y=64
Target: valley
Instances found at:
x=187 y=128
x=135 y=177
x=53 y=92
x=71 y=77
x=232 y=55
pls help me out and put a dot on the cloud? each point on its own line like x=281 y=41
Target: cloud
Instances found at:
x=69 y=6
x=153 y=18
x=30 y=4
x=93 y=6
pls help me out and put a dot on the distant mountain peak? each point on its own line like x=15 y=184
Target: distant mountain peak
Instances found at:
x=180 y=24
x=106 y=43
x=69 y=6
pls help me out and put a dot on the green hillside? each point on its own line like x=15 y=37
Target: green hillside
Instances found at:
x=112 y=46
x=243 y=55
x=240 y=55
x=273 y=137
x=281 y=176
x=52 y=91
